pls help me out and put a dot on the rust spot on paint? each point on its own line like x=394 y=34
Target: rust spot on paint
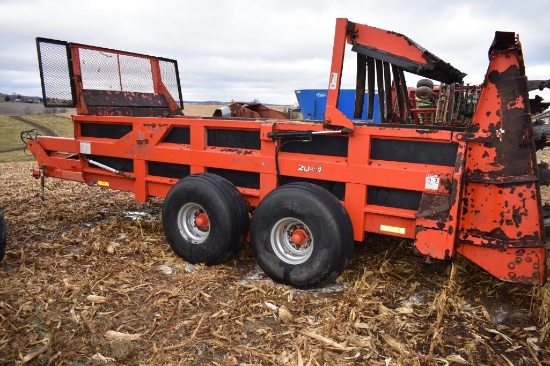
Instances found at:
x=447 y=183
x=422 y=131
x=434 y=207
x=237 y=151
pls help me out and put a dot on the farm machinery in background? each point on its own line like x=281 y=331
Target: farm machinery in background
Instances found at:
x=451 y=167
x=249 y=110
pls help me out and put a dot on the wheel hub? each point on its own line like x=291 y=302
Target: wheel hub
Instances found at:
x=291 y=240
x=193 y=223
x=201 y=221
x=299 y=237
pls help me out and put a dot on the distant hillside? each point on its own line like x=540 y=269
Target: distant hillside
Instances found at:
x=24 y=98
x=217 y=102
x=35 y=99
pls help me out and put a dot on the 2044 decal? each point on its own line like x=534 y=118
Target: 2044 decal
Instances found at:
x=309 y=168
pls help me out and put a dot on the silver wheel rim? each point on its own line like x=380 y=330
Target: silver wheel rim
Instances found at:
x=187 y=226
x=284 y=247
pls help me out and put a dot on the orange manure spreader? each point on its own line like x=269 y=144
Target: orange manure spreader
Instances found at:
x=452 y=167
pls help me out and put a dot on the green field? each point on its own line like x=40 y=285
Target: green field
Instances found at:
x=11 y=146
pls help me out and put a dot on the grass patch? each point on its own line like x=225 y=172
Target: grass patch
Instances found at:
x=62 y=126
x=15 y=156
x=11 y=130
x=10 y=136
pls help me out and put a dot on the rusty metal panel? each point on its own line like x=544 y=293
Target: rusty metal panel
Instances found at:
x=501 y=206
x=500 y=215
x=432 y=223
x=129 y=111
x=522 y=265
x=106 y=98
x=120 y=103
x=434 y=207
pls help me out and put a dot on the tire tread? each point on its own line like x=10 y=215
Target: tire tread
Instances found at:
x=335 y=211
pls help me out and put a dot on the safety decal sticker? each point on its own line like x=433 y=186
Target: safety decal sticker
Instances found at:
x=432 y=182
x=85 y=148
x=333 y=80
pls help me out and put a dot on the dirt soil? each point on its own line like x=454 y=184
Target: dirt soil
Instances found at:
x=89 y=279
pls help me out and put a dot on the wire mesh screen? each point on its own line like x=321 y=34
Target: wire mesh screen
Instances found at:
x=55 y=73
x=103 y=70
x=100 y=69
x=170 y=78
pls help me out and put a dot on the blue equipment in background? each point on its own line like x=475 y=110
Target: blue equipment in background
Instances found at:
x=313 y=103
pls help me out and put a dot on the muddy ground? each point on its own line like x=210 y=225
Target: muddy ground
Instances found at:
x=89 y=279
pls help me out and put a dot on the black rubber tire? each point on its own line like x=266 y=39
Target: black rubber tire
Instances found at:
x=325 y=218
x=423 y=92
x=2 y=236
x=425 y=82
x=227 y=215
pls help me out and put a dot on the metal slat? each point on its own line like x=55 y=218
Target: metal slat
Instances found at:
x=370 y=84
x=388 y=114
x=360 y=85
x=398 y=93
x=380 y=85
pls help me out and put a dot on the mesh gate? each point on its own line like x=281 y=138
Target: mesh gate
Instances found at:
x=56 y=73
x=101 y=69
x=171 y=78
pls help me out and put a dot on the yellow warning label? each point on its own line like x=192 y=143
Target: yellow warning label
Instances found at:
x=102 y=183
x=393 y=229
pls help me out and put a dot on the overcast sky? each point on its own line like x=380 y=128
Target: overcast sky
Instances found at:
x=264 y=50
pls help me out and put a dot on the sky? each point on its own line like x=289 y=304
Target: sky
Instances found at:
x=264 y=50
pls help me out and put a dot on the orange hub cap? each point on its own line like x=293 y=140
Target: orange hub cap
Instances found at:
x=202 y=220
x=299 y=237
